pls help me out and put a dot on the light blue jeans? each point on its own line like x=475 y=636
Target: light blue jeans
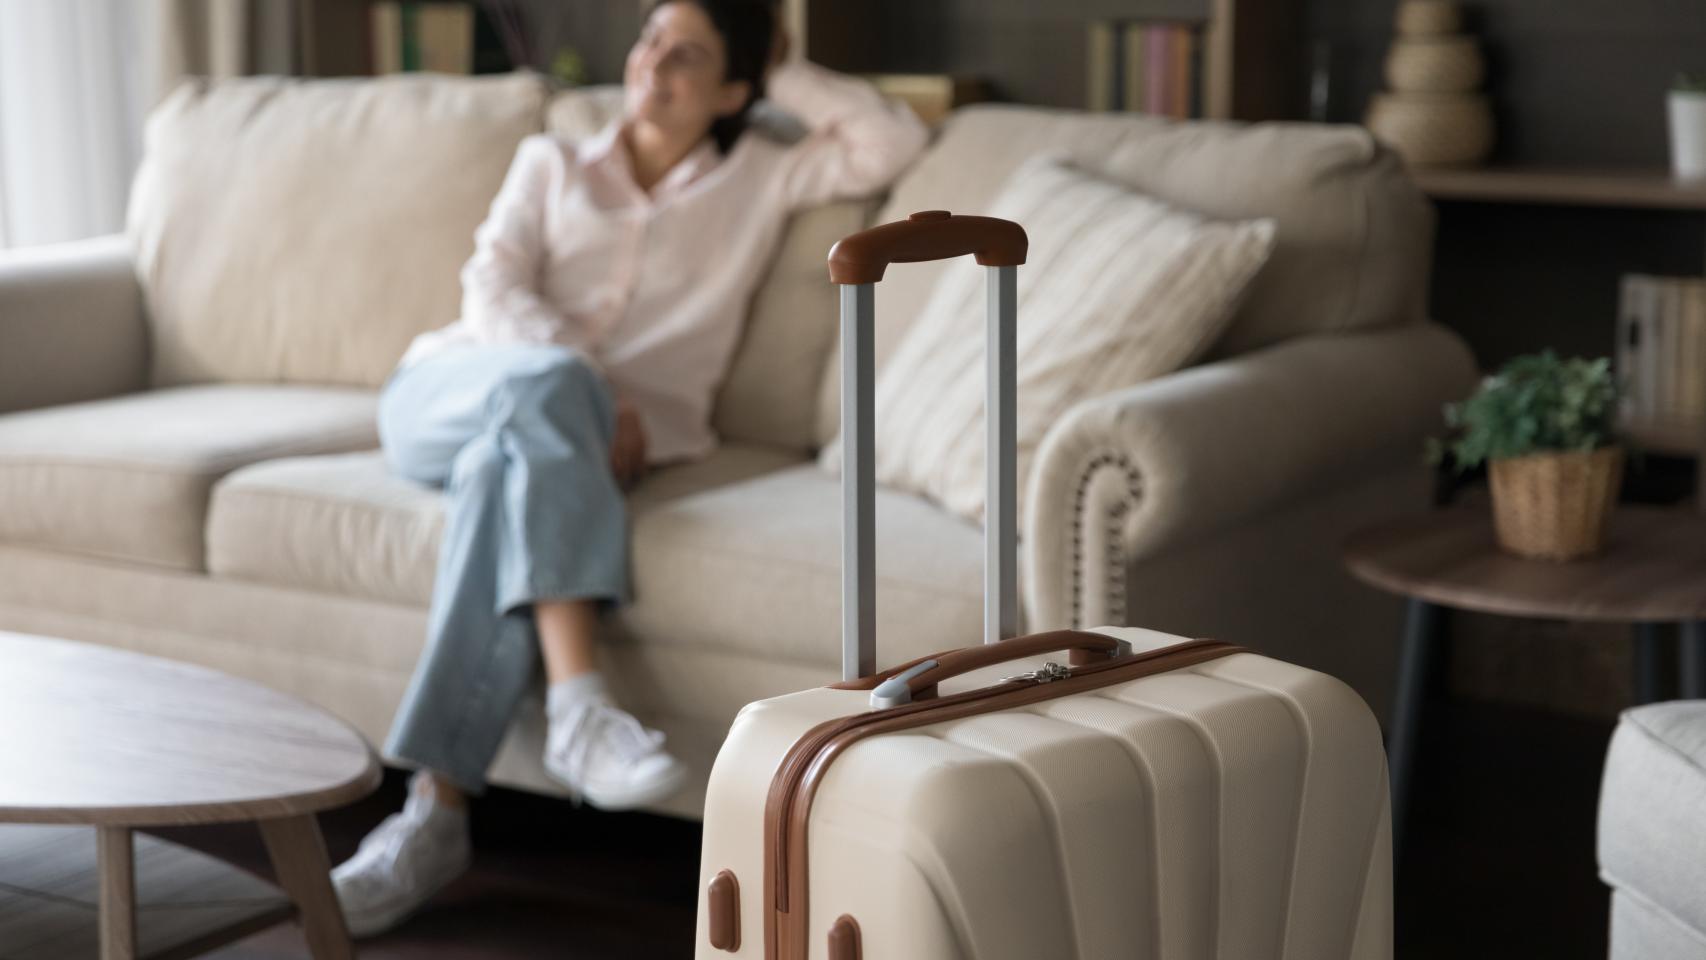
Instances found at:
x=519 y=437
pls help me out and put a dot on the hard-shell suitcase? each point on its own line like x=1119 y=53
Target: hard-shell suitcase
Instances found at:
x=1134 y=795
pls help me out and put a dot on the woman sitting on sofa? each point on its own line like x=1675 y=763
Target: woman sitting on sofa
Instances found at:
x=600 y=311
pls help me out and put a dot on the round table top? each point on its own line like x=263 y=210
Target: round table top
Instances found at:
x=1653 y=567
x=95 y=735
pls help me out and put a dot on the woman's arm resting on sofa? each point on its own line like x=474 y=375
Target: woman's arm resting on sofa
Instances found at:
x=72 y=324
x=857 y=141
x=1209 y=447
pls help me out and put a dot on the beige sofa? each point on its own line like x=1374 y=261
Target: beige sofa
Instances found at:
x=187 y=461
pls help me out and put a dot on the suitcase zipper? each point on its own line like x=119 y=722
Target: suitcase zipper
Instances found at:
x=1048 y=673
x=795 y=784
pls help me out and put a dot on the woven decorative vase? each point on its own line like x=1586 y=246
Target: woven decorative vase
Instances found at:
x=1554 y=506
x=1434 y=129
x=1435 y=65
x=1429 y=18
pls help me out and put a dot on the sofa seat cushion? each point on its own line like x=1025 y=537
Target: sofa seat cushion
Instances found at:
x=346 y=525
x=755 y=568
x=1652 y=823
x=127 y=478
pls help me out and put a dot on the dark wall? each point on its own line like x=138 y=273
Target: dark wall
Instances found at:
x=1572 y=81
x=601 y=31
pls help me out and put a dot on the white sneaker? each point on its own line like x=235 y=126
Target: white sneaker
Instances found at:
x=605 y=757
x=409 y=857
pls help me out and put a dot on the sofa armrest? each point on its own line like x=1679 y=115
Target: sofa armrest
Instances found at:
x=71 y=324
x=1130 y=474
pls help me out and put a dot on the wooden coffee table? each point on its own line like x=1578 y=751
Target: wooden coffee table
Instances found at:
x=1652 y=571
x=96 y=743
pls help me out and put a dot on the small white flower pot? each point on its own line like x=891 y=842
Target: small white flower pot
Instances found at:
x=1688 y=134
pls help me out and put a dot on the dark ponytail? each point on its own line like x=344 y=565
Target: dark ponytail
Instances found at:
x=748 y=27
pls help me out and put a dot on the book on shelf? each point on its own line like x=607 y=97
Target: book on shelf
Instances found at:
x=1631 y=329
x=1661 y=356
x=1149 y=67
x=425 y=37
x=1102 y=65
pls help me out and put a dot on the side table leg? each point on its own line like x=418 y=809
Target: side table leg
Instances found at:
x=1415 y=663
x=1647 y=667
x=299 y=858
x=116 y=856
x=1693 y=660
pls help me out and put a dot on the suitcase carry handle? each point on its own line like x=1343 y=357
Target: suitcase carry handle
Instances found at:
x=857 y=263
x=919 y=681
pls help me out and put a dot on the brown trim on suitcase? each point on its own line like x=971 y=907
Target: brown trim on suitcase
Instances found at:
x=844 y=939
x=722 y=900
x=788 y=807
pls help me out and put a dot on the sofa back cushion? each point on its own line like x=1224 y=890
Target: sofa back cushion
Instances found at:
x=306 y=230
x=770 y=393
x=1353 y=233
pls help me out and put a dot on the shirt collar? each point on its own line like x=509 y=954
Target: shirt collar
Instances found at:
x=606 y=150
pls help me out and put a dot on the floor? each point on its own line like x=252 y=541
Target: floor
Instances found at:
x=1499 y=863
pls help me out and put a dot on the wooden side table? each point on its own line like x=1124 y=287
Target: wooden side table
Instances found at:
x=97 y=742
x=1652 y=571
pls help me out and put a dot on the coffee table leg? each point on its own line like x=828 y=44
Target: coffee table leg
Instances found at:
x=1415 y=663
x=299 y=859
x=1693 y=660
x=1647 y=668
x=116 y=856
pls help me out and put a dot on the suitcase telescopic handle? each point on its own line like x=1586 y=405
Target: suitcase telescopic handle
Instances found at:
x=856 y=263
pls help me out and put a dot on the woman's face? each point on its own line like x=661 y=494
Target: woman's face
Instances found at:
x=674 y=74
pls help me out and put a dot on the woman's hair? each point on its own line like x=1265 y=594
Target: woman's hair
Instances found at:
x=748 y=28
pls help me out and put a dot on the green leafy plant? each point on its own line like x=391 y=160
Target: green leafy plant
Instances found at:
x=1689 y=83
x=1536 y=404
x=568 y=67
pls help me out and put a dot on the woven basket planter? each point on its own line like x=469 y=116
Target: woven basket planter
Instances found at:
x=1554 y=506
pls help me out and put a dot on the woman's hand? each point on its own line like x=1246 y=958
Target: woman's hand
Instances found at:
x=628 y=447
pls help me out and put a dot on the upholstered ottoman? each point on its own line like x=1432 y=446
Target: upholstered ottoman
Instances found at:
x=1652 y=832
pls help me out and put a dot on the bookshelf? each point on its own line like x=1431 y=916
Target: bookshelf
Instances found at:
x=1253 y=60
x=337 y=35
x=1037 y=53
x=1634 y=188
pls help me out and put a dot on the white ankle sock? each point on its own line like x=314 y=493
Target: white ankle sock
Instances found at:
x=434 y=812
x=563 y=694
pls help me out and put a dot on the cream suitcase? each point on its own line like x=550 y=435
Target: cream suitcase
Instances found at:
x=1149 y=797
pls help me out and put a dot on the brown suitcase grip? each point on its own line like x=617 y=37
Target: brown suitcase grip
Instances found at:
x=965 y=660
x=926 y=235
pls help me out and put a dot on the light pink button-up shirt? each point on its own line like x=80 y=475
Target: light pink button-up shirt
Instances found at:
x=653 y=288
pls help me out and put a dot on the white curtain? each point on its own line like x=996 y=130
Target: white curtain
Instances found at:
x=75 y=82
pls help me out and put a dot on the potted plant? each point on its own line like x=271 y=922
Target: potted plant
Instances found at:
x=1545 y=427
x=1688 y=127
